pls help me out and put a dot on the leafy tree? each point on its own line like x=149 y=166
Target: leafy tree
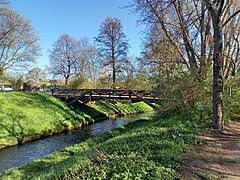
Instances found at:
x=112 y=45
x=18 y=40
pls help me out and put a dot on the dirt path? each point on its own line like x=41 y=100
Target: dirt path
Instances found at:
x=218 y=159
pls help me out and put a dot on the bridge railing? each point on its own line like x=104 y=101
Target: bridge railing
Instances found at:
x=94 y=94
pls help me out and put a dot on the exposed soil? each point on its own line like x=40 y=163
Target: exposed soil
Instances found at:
x=219 y=158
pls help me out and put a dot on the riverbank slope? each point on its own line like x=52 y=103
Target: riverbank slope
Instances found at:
x=103 y=109
x=31 y=115
x=145 y=149
x=25 y=116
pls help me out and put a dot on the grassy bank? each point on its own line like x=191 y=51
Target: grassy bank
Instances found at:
x=145 y=149
x=29 y=115
x=103 y=109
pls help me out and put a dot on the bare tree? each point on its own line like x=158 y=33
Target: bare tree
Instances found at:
x=80 y=65
x=112 y=45
x=93 y=65
x=185 y=24
x=85 y=65
x=128 y=73
x=36 y=75
x=161 y=59
x=18 y=40
x=3 y=2
x=197 y=36
x=231 y=39
x=216 y=9
x=63 y=56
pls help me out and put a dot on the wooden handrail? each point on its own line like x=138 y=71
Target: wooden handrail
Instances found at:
x=74 y=95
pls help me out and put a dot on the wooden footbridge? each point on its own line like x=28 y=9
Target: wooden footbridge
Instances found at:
x=85 y=95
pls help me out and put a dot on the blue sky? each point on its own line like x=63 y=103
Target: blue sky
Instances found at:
x=78 y=18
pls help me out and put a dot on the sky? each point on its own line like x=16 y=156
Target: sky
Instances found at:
x=78 y=18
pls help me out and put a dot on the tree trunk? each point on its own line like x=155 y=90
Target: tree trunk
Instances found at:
x=68 y=71
x=114 y=68
x=66 y=80
x=217 y=122
x=114 y=76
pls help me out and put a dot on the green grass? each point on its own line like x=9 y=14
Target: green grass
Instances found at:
x=31 y=115
x=27 y=115
x=87 y=109
x=120 y=107
x=145 y=149
x=104 y=108
x=207 y=176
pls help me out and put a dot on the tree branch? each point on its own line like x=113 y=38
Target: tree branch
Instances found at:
x=220 y=8
x=232 y=16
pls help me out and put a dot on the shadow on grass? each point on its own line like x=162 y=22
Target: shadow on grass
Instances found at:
x=93 y=113
x=108 y=106
x=136 y=145
x=57 y=163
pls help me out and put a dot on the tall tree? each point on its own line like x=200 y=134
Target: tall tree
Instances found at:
x=36 y=75
x=216 y=9
x=3 y=2
x=82 y=57
x=161 y=59
x=112 y=45
x=197 y=36
x=86 y=62
x=63 y=56
x=231 y=38
x=93 y=65
x=128 y=73
x=185 y=25
x=18 y=40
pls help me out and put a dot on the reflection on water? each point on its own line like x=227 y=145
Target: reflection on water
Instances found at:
x=17 y=156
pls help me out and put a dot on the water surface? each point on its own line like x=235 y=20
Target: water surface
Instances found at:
x=16 y=156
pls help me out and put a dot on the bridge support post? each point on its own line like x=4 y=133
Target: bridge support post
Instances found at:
x=130 y=96
x=90 y=96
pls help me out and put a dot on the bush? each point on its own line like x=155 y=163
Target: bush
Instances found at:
x=232 y=99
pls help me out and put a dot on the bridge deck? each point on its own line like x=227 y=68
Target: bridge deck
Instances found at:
x=85 y=95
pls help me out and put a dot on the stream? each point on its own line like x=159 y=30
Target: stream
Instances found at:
x=16 y=156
